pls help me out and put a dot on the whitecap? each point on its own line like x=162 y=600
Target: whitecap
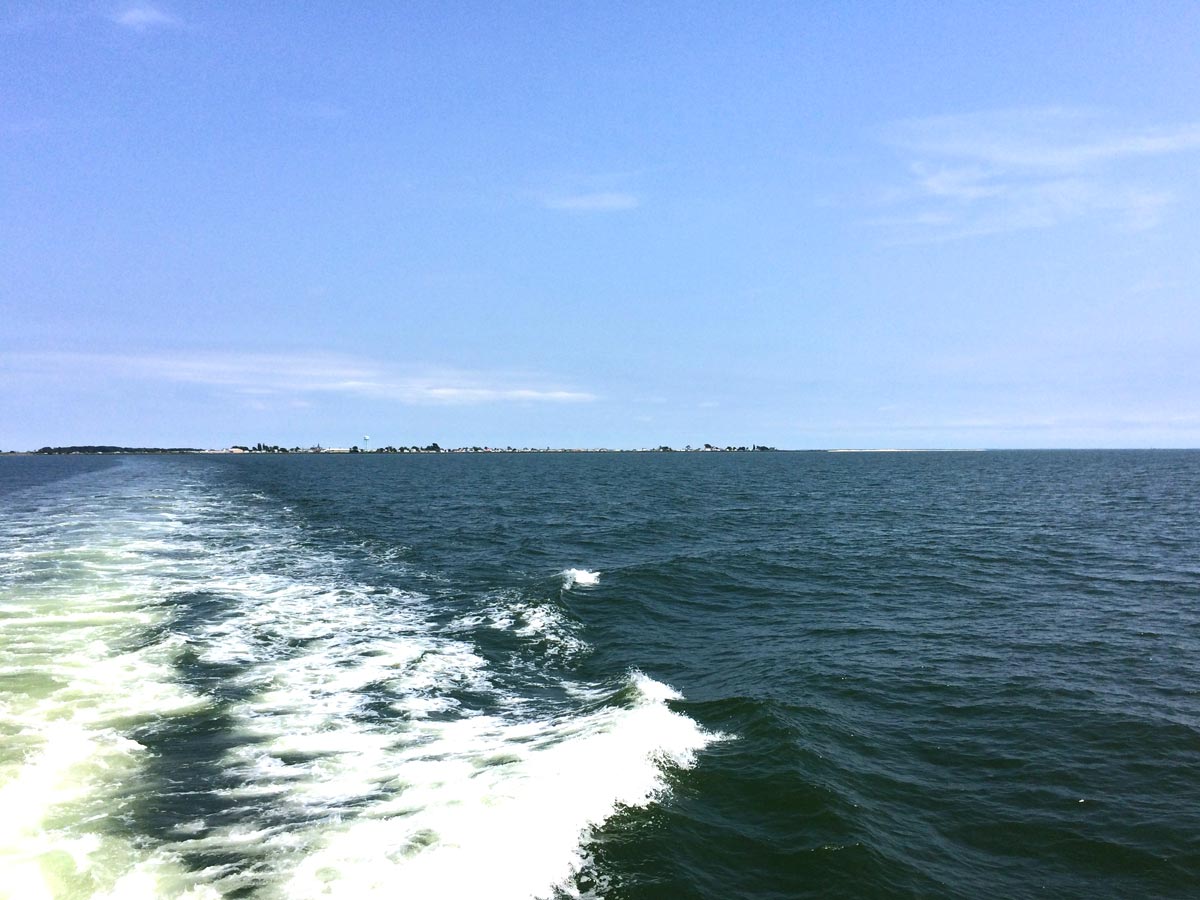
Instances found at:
x=581 y=577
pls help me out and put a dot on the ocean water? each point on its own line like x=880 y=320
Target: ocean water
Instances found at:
x=600 y=675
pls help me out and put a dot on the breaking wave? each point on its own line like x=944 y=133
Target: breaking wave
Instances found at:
x=581 y=577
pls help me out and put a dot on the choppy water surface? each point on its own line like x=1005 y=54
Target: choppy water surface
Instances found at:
x=620 y=676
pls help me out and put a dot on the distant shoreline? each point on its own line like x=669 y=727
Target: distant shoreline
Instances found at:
x=261 y=449
x=382 y=451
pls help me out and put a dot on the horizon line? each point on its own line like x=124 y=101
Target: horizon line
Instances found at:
x=434 y=448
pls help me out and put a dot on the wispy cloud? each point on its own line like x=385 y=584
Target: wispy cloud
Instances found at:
x=143 y=17
x=299 y=375
x=597 y=201
x=989 y=173
x=1038 y=139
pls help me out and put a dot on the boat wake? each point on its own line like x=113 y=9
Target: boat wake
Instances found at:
x=207 y=705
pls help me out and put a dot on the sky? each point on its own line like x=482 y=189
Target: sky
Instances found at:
x=600 y=224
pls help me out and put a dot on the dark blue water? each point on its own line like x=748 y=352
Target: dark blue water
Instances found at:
x=941 y=675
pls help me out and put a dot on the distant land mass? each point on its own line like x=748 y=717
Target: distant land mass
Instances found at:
x=96 y=448
x=428 y=448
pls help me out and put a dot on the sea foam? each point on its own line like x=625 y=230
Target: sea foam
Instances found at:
x=503 y=809
x=581 y=577
x=87 y=660
x=371 y=750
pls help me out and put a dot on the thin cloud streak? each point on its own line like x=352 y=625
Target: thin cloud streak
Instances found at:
x=299 y=374
x=1041 y=139
x=991 y=173
x=145 y=17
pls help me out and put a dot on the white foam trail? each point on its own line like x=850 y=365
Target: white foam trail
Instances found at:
x=81 y=667
x=501 y=810
x=440 y=800
x=376 y=753
x=582 y=577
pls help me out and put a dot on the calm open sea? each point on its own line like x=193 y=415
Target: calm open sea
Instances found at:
x=601 y=675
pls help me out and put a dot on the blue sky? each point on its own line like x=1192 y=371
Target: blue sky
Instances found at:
x=803 y=224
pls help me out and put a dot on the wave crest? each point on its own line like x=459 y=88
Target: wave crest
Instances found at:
x=581 y=577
